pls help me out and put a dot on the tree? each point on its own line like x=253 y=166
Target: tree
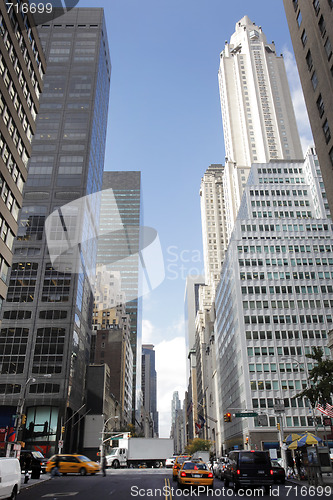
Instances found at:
x=320 y=380
x=198 y=444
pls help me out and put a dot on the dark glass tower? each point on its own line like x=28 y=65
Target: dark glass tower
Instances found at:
x=119 y=251
x=46 y=328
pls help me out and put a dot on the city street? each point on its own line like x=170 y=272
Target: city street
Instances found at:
x=151 y=483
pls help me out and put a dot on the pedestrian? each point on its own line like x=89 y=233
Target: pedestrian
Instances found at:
x=56 y=468
x=27 y=463
x=104 y=465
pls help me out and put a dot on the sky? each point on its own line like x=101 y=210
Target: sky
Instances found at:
x=165 y=120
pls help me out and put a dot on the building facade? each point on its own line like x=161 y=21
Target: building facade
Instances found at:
x=311 y=31
x=149 y=391
x=259 y=123
x=22 y=68
x=46 y=327
x=274 y=300
x=118 y=252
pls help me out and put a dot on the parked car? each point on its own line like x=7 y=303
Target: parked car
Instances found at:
x=170 y=462
x=34 y=458
x=194 y=473
x=221 y=468
x=249 y=468
x=78 y=464
x=10 y=477
x=177 y=465
x=279 y=474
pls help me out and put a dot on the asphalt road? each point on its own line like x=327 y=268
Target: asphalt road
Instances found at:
x=127 y=484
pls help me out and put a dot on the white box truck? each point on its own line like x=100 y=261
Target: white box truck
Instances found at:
x=135 y=452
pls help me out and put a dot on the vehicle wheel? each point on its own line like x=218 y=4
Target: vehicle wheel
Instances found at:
x=83 y=471
x=14 y=493
x=267 y=489
x=283 y=481
x=226 y=483
x=174 y=478
x=64 y=473
x=115 y=464
x=236 y=487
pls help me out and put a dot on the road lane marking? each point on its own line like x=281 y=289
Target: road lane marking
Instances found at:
x=168 y=491
x=68 y=494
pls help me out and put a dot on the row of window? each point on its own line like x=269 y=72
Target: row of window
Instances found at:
x=268 y=385
x=287 y=319
x=286 y=248
x=285 y=262
x=277 y=289
x=284 y=215
x=290 y=334
x=281 y=180
x=286 y=304
x=6 y=233
x=280 y=203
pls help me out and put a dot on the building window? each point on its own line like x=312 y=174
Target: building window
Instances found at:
x=314 y=80
x=316 y=6
x=327 y=132
x=322 y=26
x=320 y=105
x=304 y=38
x=309 y=60
x=330 y=3
x=328 y=48
x=331 y=155
x=295 y=4
x=299 y=18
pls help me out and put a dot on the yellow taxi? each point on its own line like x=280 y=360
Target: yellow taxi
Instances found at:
x=194 y=473
x=177 y=465
x=75 y=464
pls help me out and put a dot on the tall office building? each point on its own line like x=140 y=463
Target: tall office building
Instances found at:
x=259 y=123
x=118 y=252
x=149 y=390
x=274 y=301
x=175 y=406
x=22 y=67
x=213 y=222
x=311 y=31
x=46 y=328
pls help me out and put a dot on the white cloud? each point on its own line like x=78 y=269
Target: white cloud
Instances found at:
x=298 y=100
x=171 y=376
x=147 y=331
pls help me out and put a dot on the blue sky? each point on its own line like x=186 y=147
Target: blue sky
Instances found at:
x=165 y=120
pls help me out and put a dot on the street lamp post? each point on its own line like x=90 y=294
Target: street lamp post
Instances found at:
x=115 y=417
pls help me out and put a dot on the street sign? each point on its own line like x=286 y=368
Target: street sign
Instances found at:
x=279 y=408
x=238 y=415
x=60 y=443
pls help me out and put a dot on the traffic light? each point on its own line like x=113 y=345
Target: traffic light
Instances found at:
x=227 y=417
x=63 y=429
x=278 y=426
x=23 y=419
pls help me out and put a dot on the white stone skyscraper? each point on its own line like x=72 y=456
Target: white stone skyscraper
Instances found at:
x=258 y=117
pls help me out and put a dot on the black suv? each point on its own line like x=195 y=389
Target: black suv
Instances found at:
x=33 y=459
x=249 y=468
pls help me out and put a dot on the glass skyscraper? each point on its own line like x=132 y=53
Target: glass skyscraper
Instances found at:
x=46 y=328
x=119 y=251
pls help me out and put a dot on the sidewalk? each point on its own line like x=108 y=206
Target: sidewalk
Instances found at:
x=32 y=482
x=327 y=479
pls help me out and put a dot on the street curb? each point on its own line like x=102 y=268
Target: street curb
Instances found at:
x=31 y=485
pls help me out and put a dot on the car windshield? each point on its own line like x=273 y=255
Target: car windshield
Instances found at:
x=82 y=458
x=194 y=466
x=253 y=458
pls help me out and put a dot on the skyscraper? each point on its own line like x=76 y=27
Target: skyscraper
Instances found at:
x=311 y=31
x=22 y=68
x=118 y=252
x=149 y=389
x=273 y=303
x=259 y=123
x=46 y=328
